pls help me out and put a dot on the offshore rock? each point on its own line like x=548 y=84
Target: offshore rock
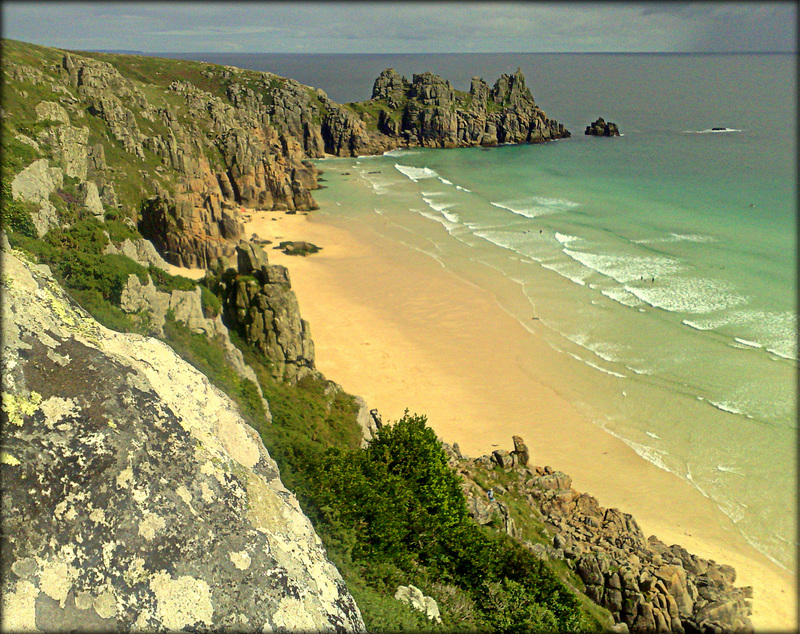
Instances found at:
x=134 y=495
x=428 y=112
x=601 y=128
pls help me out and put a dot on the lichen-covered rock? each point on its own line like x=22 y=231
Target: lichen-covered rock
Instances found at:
x=69 y=145
x=91 y=199
x=133 y=494
x=51 y=111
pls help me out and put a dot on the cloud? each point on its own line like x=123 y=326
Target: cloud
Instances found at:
x=400 y=27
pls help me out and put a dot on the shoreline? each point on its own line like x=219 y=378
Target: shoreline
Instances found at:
x=419 y=340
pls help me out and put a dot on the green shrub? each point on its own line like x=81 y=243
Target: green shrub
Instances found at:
x=16 y=155
x=15 y=215
x=398 y=510
x=75 y=255
x=211 y=304
x=119 y=230
x=168 y=283
x=105 y=312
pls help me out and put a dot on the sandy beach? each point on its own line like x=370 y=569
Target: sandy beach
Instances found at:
x=398 y=329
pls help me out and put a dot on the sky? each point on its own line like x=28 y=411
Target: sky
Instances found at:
x=405 y=27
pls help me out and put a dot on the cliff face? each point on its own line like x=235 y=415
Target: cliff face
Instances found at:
x=259 y=302
x=182 y=146
x=125 y=503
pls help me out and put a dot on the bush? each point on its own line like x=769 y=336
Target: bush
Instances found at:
x=211 y=304
x=76 y=257
x=119 y=230
x=16 y=214
x=105 y=312
x=16 y=154
x=397 y=510
x=168 y=283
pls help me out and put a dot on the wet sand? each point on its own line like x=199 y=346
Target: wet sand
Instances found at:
x=399 y=330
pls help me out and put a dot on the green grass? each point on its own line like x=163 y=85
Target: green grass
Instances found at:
x=16 y=154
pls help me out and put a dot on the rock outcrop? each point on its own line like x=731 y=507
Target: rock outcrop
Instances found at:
x=428 y=112
x=141 y=251
x=645 y=584
x=259 y=302
x=35 y=184
x=134 y=495
x=602 y=128
x=190 y=236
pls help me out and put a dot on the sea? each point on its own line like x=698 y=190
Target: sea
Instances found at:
x=660 y=264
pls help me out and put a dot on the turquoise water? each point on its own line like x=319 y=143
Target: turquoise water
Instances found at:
x=660 y=264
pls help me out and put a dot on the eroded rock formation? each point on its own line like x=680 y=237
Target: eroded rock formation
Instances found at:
x=259 y=302
x=427 y=111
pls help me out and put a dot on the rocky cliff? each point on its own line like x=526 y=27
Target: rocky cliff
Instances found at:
x=126 y=505
x=645 y=584
x=258 y=301
x=182 y=146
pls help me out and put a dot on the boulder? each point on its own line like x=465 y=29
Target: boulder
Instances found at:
x=91 y=199
x=251 y=258
x=414 y=597
x=299 y=247
x=51 y=111
x=521 y=451
x=503 y=458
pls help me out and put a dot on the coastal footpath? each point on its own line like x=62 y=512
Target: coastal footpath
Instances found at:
x=118 y=168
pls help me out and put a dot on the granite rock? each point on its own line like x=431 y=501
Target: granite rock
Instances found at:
x=134 y=495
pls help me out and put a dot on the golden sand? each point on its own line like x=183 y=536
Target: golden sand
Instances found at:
x=402 y=332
